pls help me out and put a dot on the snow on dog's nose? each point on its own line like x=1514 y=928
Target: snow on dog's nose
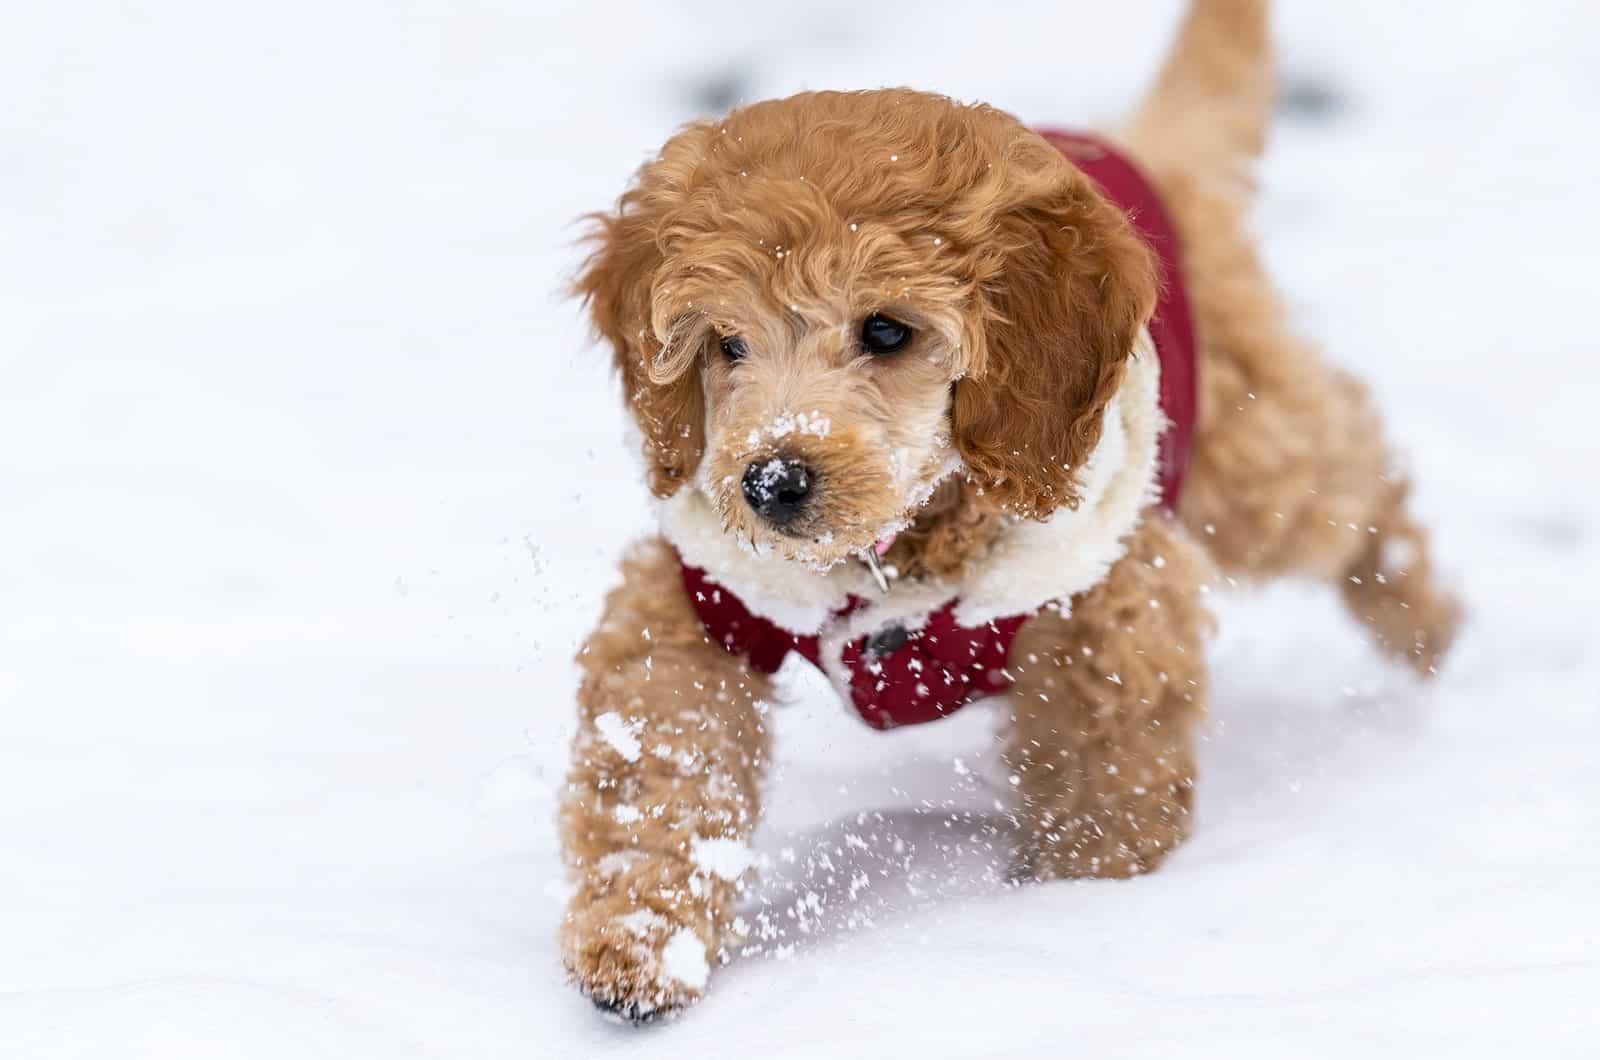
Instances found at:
x=777 y=489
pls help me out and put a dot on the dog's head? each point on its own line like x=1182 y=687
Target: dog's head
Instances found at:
x=822 y=305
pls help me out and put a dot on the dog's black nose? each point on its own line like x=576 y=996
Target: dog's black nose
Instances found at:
x=777 y=489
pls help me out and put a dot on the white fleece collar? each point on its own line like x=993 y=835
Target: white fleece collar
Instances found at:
x=1031 y=564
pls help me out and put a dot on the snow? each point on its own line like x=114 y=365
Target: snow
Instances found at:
x=641 y=921
x=684 y=958
x=622 y=736
x=313 y=482
x=723 y=857
x=787 y=424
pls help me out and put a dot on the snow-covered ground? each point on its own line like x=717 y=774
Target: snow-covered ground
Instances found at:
x=312 y=481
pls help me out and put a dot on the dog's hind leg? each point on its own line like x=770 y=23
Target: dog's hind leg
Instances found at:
x=1390 y=587
x=661 y=798
x=1290 y=475
x=1289 y=472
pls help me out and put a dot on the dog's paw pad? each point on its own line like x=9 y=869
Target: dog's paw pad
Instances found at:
x=631 y=1011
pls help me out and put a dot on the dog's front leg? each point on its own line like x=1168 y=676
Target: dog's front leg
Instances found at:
x=661 y=798
x=1103 y=708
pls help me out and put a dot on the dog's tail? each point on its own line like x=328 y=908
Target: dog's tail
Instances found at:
x=1214 y=93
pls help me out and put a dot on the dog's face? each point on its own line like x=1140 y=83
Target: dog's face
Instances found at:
x=826 y=425
x=822 y=305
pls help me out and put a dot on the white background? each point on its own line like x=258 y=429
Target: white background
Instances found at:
x=311 y=480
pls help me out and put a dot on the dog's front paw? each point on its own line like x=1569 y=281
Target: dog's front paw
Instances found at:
x=638 y=966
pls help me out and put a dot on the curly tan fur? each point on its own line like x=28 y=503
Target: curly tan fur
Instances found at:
x=1289 y=474
x=616 y=285
x=953 y=528
x=1106 y=699
x=686 y=770
x=787 y=222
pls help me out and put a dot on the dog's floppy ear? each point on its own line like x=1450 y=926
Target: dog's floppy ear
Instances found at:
x=1070 y=288
x=660 y=384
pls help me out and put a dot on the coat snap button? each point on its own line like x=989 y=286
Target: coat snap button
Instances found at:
x=887 y=640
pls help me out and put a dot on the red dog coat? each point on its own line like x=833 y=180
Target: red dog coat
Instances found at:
x=901 y=677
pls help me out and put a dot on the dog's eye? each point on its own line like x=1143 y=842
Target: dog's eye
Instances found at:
x=733 y=348
x=882 y=335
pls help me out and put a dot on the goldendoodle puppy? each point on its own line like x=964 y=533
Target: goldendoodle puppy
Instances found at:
x=951 y=408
